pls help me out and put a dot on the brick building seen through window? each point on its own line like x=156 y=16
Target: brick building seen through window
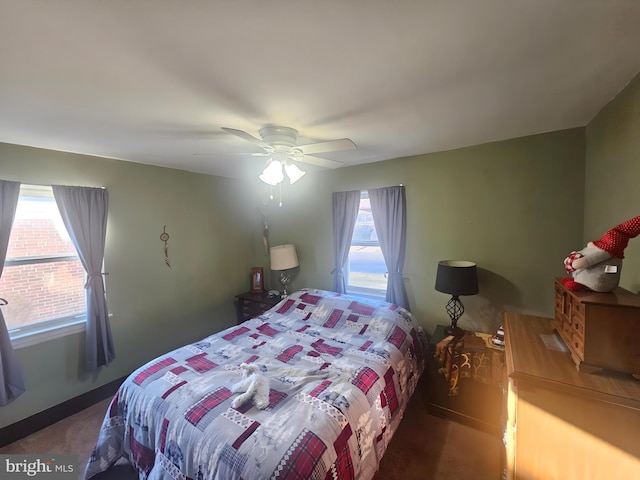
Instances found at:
x=43 y=279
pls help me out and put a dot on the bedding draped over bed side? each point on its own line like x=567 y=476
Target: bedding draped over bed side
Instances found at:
x=341 y=372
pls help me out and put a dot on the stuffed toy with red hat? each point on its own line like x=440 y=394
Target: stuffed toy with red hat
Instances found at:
x=597 y=267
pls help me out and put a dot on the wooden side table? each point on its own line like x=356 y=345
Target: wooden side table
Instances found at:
x=475 y=403
x=250 y=305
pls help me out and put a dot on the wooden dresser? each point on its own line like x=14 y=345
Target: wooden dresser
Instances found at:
x=250 y=305
x=562 y=423
x=602 y=330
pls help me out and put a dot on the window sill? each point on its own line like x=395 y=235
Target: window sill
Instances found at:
x=28 y=339
x=366 y=292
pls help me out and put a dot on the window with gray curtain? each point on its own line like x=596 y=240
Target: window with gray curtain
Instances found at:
x=43 y=278
x=84 y=213
x=345 y=210
x=12 y=384
x=366 y=270
x=388 y=207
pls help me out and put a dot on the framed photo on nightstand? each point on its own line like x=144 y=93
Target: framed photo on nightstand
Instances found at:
x=257 y=280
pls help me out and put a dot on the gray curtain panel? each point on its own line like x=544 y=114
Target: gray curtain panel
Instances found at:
x=345 y=212
x=84 y=212
x=12 y=384
x=388 y=207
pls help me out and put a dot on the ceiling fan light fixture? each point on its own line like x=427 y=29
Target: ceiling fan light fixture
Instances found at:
x=293 y=172
x=272 y=174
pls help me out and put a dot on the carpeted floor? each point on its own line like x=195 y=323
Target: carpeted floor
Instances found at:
x=424 y=447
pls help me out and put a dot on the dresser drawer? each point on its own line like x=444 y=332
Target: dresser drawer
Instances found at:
x=577 y=310
x=562 y=303
x=251 y=305
x=558 y=302
x=577 y=325
x=577 y=344
x=253 y=309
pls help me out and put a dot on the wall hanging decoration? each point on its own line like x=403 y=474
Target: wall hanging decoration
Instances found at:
x=164 y=236
x=265 y=234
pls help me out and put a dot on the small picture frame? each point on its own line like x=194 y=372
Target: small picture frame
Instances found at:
x=257 y=280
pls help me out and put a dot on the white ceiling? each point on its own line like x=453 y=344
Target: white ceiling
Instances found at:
x=153 y=81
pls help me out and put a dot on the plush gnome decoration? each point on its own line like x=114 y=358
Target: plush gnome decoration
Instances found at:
x=597 y=267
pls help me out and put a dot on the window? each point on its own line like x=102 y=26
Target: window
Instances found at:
x=43 y=278
x=367 y=269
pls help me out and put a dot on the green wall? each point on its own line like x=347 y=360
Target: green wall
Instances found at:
x=514 y=207
x=155 y=308
x=613 y=175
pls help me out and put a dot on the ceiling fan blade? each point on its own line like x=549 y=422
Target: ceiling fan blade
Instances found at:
x=248 y=137
x=328 y=146
x=262 y=154
x=320 y=162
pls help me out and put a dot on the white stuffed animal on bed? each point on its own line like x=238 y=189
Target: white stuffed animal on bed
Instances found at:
x=253 y=386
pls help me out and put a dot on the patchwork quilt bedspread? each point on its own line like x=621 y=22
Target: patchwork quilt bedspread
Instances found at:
x=341 y=370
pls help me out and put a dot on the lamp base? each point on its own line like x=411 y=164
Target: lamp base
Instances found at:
x=454 y=330
x=284 y=281
x=455 y=309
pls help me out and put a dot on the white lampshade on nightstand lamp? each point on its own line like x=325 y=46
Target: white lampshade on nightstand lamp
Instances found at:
x=284 y=258
x=456 y=277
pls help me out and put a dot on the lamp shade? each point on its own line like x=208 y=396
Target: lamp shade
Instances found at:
x=293 y=172
x=272 y=174
x=457 y=277
x=283 y=257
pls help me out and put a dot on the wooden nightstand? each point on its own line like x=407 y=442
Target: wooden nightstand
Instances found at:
x=251 y=305
x=476 y=403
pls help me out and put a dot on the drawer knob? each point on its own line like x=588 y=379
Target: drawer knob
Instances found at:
x=576 y=344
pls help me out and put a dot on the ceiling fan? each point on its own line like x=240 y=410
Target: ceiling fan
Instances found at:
x=280 y=144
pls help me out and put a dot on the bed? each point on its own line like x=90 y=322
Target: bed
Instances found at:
x=341 y=370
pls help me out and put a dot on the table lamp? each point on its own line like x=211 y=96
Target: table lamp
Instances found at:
x=456 y=277
x=284 y=258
